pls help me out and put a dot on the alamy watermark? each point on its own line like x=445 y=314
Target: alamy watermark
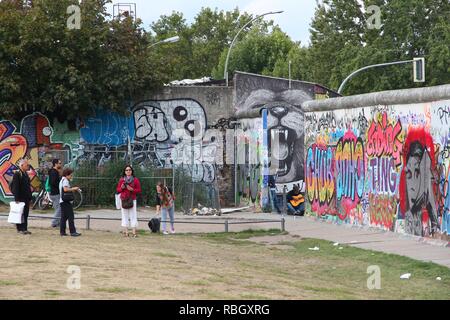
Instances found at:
x=74 y=280
x=74 y=19
x=374 y=280
x=374 y=21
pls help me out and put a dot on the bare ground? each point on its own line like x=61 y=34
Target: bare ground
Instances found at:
x=190 y=266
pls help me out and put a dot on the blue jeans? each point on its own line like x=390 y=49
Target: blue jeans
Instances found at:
x=57 y=206
x=274 y=200
x=299 y=210
x=171 y=213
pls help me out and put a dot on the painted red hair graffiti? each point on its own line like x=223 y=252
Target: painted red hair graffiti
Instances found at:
x=418 y=184
x=415 y=137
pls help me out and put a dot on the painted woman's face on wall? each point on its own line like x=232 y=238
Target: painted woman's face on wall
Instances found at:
x=413 y=180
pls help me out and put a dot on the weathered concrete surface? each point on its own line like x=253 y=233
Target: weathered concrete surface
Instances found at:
x=413 y=247
x=217 y=101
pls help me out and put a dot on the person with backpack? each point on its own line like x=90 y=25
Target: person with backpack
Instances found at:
x=65 y=200
x=21 y=189
x=52 y=187
x=128 y=187
x=164 y=204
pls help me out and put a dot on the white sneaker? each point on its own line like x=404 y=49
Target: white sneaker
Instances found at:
x=172 y=231
x=165 y=232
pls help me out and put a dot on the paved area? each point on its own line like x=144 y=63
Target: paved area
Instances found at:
x=437 y=251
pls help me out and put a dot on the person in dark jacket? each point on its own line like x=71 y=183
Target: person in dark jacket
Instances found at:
x=21 y=189
x=54 y=179
x=273 y=194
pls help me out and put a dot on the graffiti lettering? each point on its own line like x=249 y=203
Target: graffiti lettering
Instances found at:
x=383 y=175
x=383 y=139
x=382 y=211
x=350 y=167
x=444 y=114
x=319 y=174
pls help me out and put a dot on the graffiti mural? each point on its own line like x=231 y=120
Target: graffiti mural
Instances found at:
x=418 y=184
x=383 y=166
x=320 y=177
x=285 y=121
x=33 y=141
x=350 y=171
x=13 y=147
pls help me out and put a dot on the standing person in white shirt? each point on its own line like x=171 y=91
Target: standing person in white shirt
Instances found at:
x=66 y=206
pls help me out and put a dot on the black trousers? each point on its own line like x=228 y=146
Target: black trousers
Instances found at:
x=26 y=210
x=67 y=214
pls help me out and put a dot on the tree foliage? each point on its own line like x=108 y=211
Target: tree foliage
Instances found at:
x=47 y=67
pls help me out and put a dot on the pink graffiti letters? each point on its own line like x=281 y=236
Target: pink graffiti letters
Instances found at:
x=383 y=139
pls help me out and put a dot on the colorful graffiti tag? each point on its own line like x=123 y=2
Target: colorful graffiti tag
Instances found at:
x=320 y=176
x=33 y=139
x=389 y=170
x=13 y=147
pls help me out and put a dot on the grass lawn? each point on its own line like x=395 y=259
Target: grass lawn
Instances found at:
x=246 y=265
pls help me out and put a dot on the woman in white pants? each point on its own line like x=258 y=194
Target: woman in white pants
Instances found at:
x=128 y=187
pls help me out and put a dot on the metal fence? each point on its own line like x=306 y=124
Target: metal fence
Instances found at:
x=97 y=173
x=225 y=222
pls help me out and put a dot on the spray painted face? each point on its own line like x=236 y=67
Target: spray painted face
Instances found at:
x=165 y=121
x=414 y=180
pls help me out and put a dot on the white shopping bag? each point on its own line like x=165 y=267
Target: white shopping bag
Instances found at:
x=118 y=202
x=16 y=212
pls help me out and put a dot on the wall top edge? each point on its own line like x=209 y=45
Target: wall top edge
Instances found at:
x=391 y=97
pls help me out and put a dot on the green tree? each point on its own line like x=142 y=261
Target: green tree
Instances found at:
x=259 y=52
x=47 y=67
x=201 y=43
x=342 y=43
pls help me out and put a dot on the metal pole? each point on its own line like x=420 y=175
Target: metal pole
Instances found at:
x=290 y=77
x=88 y=222
x=173 y=183
x=226 y=226
x=192 y=174
x=225 y=71
x=341 y=87
x=283 y=224
x=284 y=200
x=235 y=170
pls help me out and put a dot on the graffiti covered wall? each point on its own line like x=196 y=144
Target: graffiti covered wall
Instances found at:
x=381 y=166
x=152 y=135
x=284 y=123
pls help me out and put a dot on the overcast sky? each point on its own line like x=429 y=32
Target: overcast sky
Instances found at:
x=294 y=21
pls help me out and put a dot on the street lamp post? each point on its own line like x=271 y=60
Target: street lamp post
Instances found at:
x=168 y=40
x=341 y=87
x=225 y=72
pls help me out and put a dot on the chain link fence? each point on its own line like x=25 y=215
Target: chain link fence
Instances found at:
x=98 y=173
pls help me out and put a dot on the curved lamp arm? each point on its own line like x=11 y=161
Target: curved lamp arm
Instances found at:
x=225 y=72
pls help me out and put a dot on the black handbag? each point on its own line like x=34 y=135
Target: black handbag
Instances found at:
x=67 y=196
x=154 y=225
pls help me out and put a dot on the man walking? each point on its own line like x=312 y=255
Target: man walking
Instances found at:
x=21 y=190
x=54 y=179
x=273 y=194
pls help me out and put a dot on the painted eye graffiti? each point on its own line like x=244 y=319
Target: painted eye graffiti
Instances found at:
x=180 y=113
x=193 y=127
